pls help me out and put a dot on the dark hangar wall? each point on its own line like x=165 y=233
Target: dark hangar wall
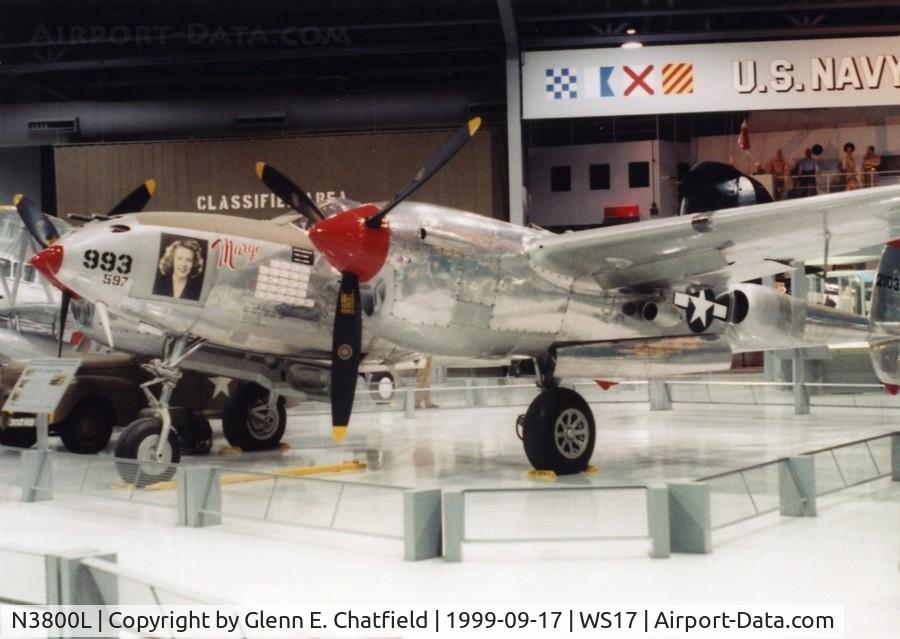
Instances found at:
x=218 y=175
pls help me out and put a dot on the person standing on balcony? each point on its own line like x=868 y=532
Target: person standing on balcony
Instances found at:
x=779 y=170
x=848 y=168
x=871 y=165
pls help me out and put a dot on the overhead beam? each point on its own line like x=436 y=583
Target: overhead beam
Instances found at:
x=248 y=56
x=712 y=9
x=564 y=42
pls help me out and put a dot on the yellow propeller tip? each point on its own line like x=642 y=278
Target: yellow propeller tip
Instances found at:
x=151 y=186
x=260 y=167
x=17 y=198
x=338 y=433
x=474 y=125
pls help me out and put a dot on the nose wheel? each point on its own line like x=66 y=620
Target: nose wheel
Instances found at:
x=152 y=441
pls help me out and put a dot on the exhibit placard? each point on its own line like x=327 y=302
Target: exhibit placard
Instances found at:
x=742 y=76
x=41 y=385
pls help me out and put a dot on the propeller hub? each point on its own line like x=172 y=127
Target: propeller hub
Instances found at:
x=349 y=245
x=48 y=262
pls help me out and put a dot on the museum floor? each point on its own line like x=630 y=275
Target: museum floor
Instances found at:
x=848 y=555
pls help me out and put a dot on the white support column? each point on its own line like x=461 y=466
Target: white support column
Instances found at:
x=770 y=363
x=801 y=393
x=513 y=112
x=514 y=138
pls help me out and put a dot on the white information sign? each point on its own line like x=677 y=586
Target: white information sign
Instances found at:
x=41 y=385
x=743 y=76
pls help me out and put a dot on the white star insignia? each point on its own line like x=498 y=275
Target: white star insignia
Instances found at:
x=221 y=386
x=700 y=306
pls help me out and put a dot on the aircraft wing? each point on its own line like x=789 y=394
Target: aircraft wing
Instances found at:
x=728 y=246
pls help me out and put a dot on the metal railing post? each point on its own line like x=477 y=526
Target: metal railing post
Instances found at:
x=797 y=477
x=421 y=524
x=454 y=517
x=689 y=517
x=37 y=475
x=479 y=393
x=470 y=392
x=895 y=456
x=660 y=399
x=199 y=496
x=658 y=520
x=81 y=586
x=409 y=402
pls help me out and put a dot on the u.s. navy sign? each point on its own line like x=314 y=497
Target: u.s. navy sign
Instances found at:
x=743 y=76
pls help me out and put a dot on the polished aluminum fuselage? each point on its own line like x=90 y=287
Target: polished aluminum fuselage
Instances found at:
x=455 y=285
x=459 y=284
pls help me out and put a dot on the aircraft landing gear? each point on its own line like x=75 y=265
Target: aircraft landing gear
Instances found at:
x=152 y=440
x=254 y=419
x=558 y=430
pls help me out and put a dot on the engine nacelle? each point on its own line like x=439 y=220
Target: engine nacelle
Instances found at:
x=760 y=318
x=645 y=358
x=666 y=315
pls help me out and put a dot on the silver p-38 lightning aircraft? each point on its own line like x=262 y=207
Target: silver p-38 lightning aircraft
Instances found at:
x=643 y=300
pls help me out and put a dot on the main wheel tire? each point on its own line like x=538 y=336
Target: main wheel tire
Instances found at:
x=558 y=432
x=18 y=437
x=249 y=422
x=136 y=449
x=381 y=387
x=88 y=427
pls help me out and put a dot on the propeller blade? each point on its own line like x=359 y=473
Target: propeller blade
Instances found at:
x=63 y=315
x=291 y=194
x=443 y=155
x=345 y=356
x=103 y=316
x=136 y=200
x=34 y=219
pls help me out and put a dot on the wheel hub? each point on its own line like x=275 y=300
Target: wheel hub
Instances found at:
x=262 y=422
x=146 y=455
x=570 y=433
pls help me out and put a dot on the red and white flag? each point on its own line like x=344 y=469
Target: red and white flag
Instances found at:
x=744 y=137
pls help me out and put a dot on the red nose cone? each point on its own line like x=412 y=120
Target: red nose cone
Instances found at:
x=48 y=261
x=349 y=245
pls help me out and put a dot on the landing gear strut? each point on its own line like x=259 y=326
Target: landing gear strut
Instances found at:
x=151 y=440
x=558 y=430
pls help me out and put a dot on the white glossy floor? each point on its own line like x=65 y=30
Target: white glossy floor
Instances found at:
x=849 y=555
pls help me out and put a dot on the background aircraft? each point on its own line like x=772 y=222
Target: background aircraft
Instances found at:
x=34 y=327
x=230 y=296
x=641 y=300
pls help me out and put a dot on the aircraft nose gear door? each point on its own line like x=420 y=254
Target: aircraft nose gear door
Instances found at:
x=701 y=307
